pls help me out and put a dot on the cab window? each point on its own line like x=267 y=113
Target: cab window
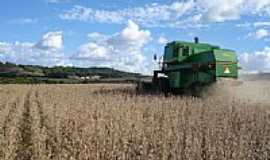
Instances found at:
x=176 y=50
x=185 y=51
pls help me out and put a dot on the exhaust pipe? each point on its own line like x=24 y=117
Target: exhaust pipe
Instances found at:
x=196 y=40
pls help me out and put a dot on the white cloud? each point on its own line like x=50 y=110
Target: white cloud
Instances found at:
x=51 y=41
x=58 y=1
x=46 y=52
x=3 y=47
x=244 y=25
x=189 y=13
x=93 y=51
x=133 y=36
x=221 y=10
x=254 y=24
x=23 y=21
x=148 y=15
x=224 y=10
x=259 y=34
x=122 y=50
x=162 y=40
x=258 y=6
x=261 y=24
x=95 y=35
x=256 y=62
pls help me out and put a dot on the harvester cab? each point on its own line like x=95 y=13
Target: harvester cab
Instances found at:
x=188 y=65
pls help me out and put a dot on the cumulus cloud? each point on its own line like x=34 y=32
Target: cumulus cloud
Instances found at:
x=259 y=34
x=45 y=52
x=225 y=10
x=189 y=13
x=93 y=51
x=256 y=62
x=51 y=41
x=258 y=6
x=221 y=10
x=122 y=50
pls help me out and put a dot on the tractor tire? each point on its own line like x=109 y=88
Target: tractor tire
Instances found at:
x=163 y=85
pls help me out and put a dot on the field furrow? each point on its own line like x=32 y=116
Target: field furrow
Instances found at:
x=10 y=116
x=7 y=128
x=44 y=133
x=9 y=121
x=25 y=144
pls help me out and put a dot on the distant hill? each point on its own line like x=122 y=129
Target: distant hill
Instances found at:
x=35 y=73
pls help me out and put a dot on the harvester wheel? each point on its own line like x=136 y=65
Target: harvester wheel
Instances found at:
x=196 y=90
x=145 y=87
x=163 y=85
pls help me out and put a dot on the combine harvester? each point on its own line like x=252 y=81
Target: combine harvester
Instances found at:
x=188 y=67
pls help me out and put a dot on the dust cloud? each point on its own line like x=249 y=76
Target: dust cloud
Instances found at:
x=251 y=92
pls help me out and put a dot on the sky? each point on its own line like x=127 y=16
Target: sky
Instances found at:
x=125 y=34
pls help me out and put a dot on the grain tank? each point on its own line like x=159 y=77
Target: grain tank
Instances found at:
x=188 y=65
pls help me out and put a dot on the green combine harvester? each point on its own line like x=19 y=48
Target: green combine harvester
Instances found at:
x=187 y=67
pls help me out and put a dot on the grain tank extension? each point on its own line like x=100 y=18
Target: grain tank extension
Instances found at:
x=187 y=65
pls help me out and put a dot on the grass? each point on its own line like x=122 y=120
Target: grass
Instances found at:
x=112 y=122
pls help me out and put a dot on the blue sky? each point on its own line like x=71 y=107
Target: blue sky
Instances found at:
x=125 y=34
